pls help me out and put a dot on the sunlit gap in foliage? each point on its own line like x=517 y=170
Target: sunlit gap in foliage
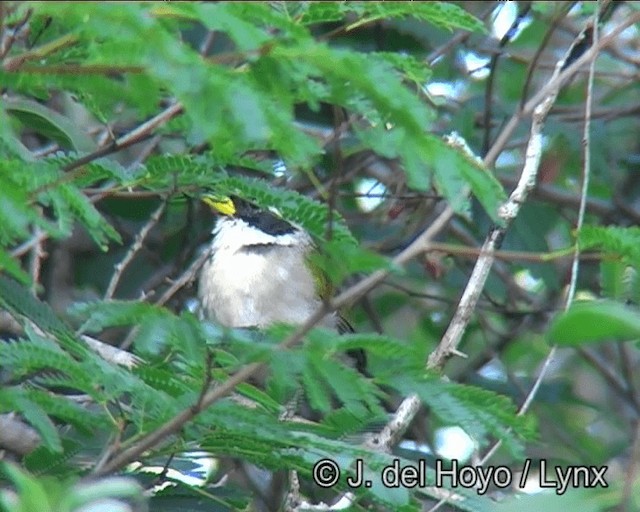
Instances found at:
x=515 y=157
x=509 y=158
x=504 y=18
x=453 y=443
x=445 y=90
x=493 y=370
x=370 y=194
x=413 y=446
x=629 y=34
x=476 y=66
x=528 y=282
x=279 y=169
x=193 y=468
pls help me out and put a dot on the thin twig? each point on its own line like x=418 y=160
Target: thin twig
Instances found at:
x=539 y=257
x=507 y=212
x=456 y=41
x=547 y=192
x=555 y=81
x=136 y=135
x=185 y=278
x=410 y=405
x=133 y=137
x=611 y=375
x=108 y=450
x=527 y=401
x=207 y=43
x=493 y=66
x=145 y=151
x=564 y=9
x=13 y=64
x=12 y=35
x=37 y=255
x=137 y=245
x=586 y=169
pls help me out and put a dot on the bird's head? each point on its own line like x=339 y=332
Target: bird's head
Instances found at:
x=268 y=221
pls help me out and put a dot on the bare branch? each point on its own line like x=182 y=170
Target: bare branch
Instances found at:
x=112 y=354
x=583 y=200
x=545 y=97
x=507 y=212
x=554 y=83
x=185 y=278
x=16 y=436
x=137 y=245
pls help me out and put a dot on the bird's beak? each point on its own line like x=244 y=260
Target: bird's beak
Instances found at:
x=221 y=204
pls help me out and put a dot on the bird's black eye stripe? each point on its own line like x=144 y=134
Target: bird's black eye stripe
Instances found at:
x=263 y=220
x=268 y=222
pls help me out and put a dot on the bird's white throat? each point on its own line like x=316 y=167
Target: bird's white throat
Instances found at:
x=234 y=234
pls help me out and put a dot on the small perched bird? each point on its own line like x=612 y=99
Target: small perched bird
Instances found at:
x=259 y=271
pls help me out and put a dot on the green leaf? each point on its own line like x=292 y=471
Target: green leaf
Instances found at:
x=19 y=300
x=49 y=123
x=595 y=321
x=221 y=17
x=12 y=267
x=322 y=12
x=409 y=67
x=67 y=411
x=585 y=500
x=339 y=259
x=9 y=142
x=161 y=378
x=442 y=14
x=14 y=220
x=35 y=354
x=452 y=161
x=112 y=313
x=317 y=389
x=620 y=241
x=157 y=328
x=44 y=461
x=479 y=412
x=69 y=198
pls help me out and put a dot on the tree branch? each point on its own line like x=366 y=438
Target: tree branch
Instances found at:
x=137 y=245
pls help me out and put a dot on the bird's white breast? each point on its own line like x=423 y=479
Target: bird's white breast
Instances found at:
x=254 y=279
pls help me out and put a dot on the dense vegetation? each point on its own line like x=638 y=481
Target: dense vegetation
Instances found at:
x=471 y=182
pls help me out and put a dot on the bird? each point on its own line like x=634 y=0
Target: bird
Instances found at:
x=259 y=271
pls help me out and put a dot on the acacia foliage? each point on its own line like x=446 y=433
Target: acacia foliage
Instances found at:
x=295 y=106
